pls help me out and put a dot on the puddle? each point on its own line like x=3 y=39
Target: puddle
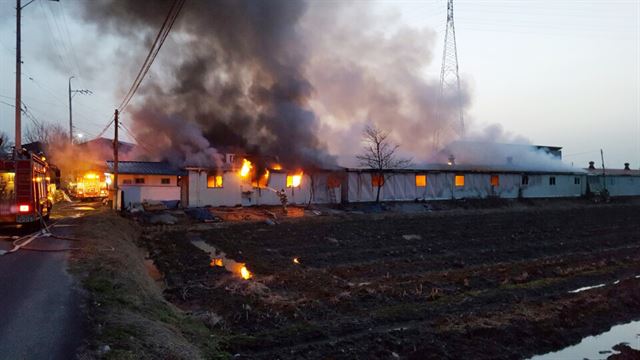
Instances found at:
x=598 y=286
x=598 y=346
x=586 y=288
x=83 y=208
x=219 y=258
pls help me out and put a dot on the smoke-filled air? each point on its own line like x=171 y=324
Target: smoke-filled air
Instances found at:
x=293 y=79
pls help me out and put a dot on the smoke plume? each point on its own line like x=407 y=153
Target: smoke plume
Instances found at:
x=286 y=78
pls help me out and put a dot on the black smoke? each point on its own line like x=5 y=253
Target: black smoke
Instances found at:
x=281 y=78
x=235 y=68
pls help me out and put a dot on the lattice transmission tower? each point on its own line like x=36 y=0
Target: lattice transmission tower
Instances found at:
x=449 y=78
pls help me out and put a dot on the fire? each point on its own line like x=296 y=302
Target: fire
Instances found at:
x=245 y=273
x=246 y=167
x=216 y=262
x=296 y=180
x=276 y=167
x=296 y=261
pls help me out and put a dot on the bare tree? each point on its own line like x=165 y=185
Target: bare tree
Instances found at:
x=46 y=133
x=379 y=154
x=5 y=143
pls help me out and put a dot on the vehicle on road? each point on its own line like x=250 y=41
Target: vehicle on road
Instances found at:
x=24 y=189
x=90 y=186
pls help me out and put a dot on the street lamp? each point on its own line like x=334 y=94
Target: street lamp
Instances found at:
x=71 y=94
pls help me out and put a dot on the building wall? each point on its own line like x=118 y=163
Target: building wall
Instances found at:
x=201 y=195
x=617 y=185
x=138 y=194
x=155 y=180
x=539 y=186
x=152 y=189
x=441 y=186
x=238 y=191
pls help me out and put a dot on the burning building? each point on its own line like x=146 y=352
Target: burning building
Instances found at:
x=259 y=181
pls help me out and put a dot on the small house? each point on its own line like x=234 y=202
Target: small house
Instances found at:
x=145 y=180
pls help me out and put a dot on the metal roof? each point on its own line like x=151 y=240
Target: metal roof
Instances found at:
x=617 y=172
x=146 y=168
x=464 y=168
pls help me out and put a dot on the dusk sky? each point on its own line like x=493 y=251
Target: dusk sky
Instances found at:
x=563 y=73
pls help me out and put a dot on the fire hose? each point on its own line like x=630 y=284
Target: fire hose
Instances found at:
x=22 y=242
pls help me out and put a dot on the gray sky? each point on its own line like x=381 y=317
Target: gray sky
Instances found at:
x=563 y=73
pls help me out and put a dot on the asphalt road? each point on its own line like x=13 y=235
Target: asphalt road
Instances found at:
x=41 y=313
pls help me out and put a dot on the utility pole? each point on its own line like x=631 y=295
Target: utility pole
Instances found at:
x=116 y=199
x=604 y=174
x=71 y=94
x=18 y=141
x=18 y=124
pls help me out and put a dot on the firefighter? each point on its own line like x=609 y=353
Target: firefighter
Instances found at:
x=283 y=200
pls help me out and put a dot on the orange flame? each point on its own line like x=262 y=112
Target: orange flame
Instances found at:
x=276 y=166
x=246 y=167
x=245 y=273
x=216 y=262
x=296 y=261
x=296 y=180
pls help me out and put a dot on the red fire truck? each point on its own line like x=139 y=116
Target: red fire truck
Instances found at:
x=24 y=189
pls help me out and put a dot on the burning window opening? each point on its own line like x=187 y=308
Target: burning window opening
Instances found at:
x=421 y=180
x=294 y=180
x=495 y=180
x=246 y=168
x=459 y=180
x=262 y=181
x=214 y=181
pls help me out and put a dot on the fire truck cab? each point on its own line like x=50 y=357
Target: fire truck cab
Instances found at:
x=24 y=194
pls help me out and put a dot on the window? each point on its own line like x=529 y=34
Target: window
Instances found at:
x=377 y=180
x=495 y=180
x=552 y=180
x=576 y=181
x=525 y=180
x=139 y=180
x=421 y=180
x=214 y=181
x=294 y=180
x=459 y=180
x=165 y=181
x=126 y=182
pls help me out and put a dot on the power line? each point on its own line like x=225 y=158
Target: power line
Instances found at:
x=141 y=143
x=73 y=52
x=153 y=52
x=174 y=11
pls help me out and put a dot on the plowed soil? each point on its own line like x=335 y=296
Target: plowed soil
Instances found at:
x=473 y=284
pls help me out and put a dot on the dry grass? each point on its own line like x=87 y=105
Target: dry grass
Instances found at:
x=127 y=311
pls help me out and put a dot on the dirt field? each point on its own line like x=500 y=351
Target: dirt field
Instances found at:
x=474 y=284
